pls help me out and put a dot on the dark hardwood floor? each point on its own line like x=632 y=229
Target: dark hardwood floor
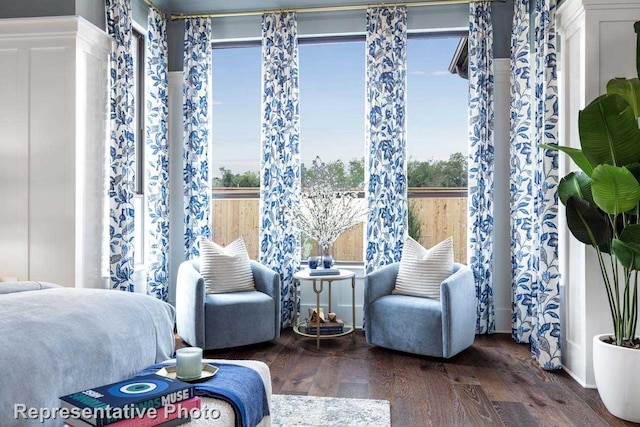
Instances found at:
x=495 y=382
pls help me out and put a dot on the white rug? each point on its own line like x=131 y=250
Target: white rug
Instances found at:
x=311 y=411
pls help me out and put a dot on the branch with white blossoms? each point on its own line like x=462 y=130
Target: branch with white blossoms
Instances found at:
x=326 y=212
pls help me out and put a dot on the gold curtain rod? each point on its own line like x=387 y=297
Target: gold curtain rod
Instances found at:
x=156 y=8
x=323 y=9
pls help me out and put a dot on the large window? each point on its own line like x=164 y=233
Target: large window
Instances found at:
x=332 y=109
x=235 y=161
x=332 y=126
x=437 y=140
x=332 y=90
x=236 y=117
x=437 y=103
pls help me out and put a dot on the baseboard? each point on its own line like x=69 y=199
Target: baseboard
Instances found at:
x=579 y=380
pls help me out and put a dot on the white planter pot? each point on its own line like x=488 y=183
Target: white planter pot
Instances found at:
x=616 y=371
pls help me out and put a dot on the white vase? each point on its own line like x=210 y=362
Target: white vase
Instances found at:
x=617 y=374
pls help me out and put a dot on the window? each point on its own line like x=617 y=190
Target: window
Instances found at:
x=437 y=102
x=235 y=161
x=137 y=52
x=437 y=139
x=332 y=81
x=332 y=125
x=236 y=116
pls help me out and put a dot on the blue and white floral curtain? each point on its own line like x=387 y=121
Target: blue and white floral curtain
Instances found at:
x=157 y=157
x=196 y=93
x=481 y=157
x=385 y=135
x=280 y=140
x=121 y=147
x=534 y=180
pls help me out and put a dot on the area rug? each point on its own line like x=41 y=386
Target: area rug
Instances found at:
x=311 y=411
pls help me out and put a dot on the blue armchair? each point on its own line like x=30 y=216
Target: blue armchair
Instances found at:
x=216 y=321
x=425 y=326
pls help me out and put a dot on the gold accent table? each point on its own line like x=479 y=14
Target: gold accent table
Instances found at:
x=318 y=287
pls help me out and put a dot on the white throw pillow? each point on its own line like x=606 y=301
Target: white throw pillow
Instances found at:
x=421 y=271
x=225 y=269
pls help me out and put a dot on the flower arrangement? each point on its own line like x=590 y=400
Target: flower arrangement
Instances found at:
x=326 y=211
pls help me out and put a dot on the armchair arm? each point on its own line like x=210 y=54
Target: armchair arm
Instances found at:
x=267 y=281
x=459 y=310
x=378 y=284
x=190 y=295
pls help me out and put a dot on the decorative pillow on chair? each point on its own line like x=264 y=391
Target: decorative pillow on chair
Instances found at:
x=225 y=269
x=421 y=271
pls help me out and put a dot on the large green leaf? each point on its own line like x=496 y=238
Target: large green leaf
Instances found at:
x=609 y=132
x=629 y=89
x=587 y=223
x=615 y=190
x=575 y=184
x=627 y=253
x=627 y=248
x=636 y=28
x=631 y=234
x=576 y=155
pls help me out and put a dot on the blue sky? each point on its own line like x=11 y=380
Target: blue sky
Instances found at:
x=332 y=103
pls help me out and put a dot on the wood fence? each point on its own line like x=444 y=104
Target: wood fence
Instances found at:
x=442 y=213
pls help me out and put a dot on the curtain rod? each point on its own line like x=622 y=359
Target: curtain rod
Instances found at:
x=156 y=8
x=324 y=8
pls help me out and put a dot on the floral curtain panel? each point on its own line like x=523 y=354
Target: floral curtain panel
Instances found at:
x=121 y=147
x=157 y=157
x=280 y=164
x=196 y=94
x=385 y=135
x=534 y=180
x=481 y=157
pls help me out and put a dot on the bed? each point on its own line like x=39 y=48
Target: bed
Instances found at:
x=55 y=341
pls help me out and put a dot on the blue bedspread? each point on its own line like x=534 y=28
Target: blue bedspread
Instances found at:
x=239 y=386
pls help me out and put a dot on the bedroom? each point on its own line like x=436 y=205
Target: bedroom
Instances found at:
x=49 y=225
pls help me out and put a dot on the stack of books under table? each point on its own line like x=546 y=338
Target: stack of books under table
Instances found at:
x=145 y=401
x=326 y=328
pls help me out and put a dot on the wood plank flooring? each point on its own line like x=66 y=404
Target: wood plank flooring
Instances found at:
x=493 y=383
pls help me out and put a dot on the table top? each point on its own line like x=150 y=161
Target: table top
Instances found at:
x=343 y=274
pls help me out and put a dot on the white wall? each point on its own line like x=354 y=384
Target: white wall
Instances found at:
x=53 y=80
x=176 y=200
x=598 y=44
x=501 y=214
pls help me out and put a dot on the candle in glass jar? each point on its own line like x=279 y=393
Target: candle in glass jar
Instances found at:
x=188 y=362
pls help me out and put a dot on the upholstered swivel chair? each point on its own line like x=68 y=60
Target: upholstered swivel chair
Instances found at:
x=215 y=321
x=425 y=326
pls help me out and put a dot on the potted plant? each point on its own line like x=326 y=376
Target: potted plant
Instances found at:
x=603 y=210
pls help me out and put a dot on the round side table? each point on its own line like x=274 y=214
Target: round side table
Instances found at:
x=318 y=286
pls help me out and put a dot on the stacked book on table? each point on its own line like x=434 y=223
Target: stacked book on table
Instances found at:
x=145 y=401
x=324 y=272
x=326 y=328
x=327 y=325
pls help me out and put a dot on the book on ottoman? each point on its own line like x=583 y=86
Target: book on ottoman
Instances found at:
x=127 y=399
